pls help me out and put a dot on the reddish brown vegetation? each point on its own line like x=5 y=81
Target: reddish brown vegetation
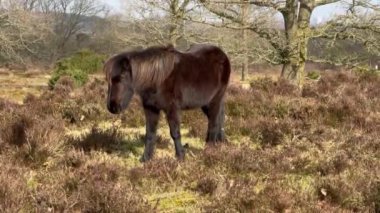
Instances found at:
x=314 y=150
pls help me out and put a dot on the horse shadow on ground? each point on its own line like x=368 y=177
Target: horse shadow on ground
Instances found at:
x=114 y=141
x=109 y=141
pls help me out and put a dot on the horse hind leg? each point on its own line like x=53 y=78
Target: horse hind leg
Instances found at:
x=215 y=114
x=210 y=129
x=217 y=130
x=221 y=136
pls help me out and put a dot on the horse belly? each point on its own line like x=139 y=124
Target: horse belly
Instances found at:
x=195 y=98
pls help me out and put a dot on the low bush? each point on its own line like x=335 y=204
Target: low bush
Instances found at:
x=313 y=75
x=35 y=137
x=80 y=77
x=78 y=67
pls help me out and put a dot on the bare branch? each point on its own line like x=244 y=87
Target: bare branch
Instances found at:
x=324 y=2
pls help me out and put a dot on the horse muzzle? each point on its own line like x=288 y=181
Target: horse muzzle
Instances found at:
x=114 y=108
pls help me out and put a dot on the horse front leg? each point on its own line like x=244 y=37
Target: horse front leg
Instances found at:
x=152 y=116
x=173 y=117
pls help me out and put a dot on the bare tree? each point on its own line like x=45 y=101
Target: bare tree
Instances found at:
x=149 y=22
x=29 y=5
x=161 y=21
x=258 y=42
x=176 y=10
x=290 y=45
x=359 y=28
x=70 y=18
x=21 y=32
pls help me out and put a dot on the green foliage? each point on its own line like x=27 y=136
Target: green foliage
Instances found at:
x=78 y=66
x=314 y=75
x=78 y=75
x=86 y=60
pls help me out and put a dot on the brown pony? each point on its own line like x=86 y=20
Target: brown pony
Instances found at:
x=170 y=81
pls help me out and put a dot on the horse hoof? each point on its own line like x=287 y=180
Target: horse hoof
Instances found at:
x=144 y=159
x=211 y=143
x=222 y=141
x=180 y=157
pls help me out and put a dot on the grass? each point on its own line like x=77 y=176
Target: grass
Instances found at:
x=314 y=150
x=16 y=87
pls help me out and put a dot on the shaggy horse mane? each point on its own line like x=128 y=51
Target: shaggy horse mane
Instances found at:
x=151 y=66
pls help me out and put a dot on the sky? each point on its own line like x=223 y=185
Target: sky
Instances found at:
x=319 y=15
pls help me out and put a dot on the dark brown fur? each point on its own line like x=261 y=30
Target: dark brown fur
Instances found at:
x=168 y=80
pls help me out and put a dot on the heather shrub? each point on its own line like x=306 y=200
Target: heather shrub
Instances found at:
x=64 y=84
x=270 y=87
x=207 y=185
x=6 y=105
x=94 y=187
x=98 y=197
x=271 y=133
x=76 y=112
x=237 y=197
x=160 y=169
x=134 y=115
x=94 y=91
x=262 y=84
x=14 y=193
x=103 y=191
x=314 y=150
x=308 y=91
x=86 y=104
x=196 y=122
x=242 y=159
x=36 y=138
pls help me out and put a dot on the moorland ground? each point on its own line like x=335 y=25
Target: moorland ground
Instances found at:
x=289 y=150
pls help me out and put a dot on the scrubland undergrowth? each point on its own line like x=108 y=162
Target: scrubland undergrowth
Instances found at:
x=309 y=150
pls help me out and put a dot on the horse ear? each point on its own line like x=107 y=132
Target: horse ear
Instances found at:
x=126 y=65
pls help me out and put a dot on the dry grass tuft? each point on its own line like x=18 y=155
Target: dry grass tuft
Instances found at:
x=35 y=138
x=161 y=169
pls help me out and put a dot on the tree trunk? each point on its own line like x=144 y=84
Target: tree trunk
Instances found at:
x=245 y=69
x=297 y=29
x=173 y=30
x=176 y=28
x=303 y=35
x=290 y=66
x=244 y=20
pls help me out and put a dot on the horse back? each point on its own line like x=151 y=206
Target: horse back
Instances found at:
x=207 y=61
x=201 y=73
